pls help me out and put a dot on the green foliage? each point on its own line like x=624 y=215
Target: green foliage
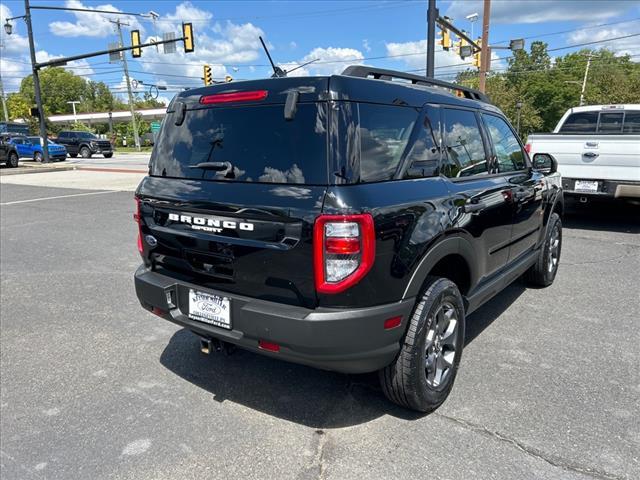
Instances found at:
x=547 y=88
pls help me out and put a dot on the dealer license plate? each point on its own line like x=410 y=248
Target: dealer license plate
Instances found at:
x=210 y=309
x=585 y=186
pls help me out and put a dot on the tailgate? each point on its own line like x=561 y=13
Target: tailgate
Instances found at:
x=250 y=239
x=597 y=157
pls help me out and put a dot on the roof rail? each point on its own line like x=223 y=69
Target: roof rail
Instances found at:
x=363 y=71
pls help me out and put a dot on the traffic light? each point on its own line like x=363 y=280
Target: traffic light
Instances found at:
x=477 y=57
x=228 y=78
x=187 y=35
x=445 y=39
x=135 y=41
x=208 y=78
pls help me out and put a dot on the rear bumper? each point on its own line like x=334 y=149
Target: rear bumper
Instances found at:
x=343 y=340
x=606 y=188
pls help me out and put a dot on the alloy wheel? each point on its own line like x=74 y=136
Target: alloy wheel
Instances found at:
x=440 y=345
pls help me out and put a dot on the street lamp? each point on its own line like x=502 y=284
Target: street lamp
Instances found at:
x=8 y=27
x=473 y=18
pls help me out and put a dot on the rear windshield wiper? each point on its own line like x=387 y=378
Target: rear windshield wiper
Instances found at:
x=217 y=166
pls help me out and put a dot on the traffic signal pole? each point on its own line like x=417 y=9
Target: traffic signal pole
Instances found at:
x=432 y=15
x=36 y=85
x=485 y=56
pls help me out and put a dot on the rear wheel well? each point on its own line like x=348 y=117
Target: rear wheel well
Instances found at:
x=559 y=208
x=455 y=268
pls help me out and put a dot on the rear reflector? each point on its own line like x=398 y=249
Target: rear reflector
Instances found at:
x=158 y=311
x=392 y=322
x=346 y=246
x=271 y=347
x=234 y=97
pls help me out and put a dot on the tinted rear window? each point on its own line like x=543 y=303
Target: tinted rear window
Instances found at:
x=257 y=143
x=632 y=122
x=610 y=122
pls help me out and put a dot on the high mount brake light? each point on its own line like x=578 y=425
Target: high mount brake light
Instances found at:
x=343 y=251
x=251 y=96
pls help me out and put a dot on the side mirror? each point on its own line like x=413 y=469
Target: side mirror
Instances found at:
x=545 y=163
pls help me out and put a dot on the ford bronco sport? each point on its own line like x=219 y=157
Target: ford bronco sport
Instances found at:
x=349 y=222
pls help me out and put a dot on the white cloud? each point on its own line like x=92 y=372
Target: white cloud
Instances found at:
x=78 y=67
x=89 y=24
x=624 y=46
x=447 y=63
x=331 y=61
x=366 y=46
x=540 y=11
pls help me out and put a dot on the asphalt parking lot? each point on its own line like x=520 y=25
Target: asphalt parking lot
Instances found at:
x=92 y=386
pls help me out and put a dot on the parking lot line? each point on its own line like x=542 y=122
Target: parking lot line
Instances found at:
x=58 y=196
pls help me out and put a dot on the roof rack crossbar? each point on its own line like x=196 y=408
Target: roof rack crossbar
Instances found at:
x=363 y=71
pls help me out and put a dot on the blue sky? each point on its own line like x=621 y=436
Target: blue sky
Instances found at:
x=337 y=33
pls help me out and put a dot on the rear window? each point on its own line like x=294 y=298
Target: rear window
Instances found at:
x=610 y=122
x=632 y=122
x=251 y=143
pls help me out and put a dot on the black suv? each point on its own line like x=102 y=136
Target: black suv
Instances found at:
x=349 y=222
x=84 y=143
x=8 y=152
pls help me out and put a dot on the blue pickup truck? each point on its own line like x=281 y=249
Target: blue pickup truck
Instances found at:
x=30 y=147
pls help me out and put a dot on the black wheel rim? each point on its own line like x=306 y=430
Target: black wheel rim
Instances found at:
x=440 y=345
x=553 y=257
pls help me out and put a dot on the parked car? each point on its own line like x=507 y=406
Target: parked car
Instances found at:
x=598 y=151
x=334 y=222
x=30 y=147
x=8 y=152
x=85 y=144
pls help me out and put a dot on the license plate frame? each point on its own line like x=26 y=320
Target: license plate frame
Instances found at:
x=586 y=186
x=210 y=308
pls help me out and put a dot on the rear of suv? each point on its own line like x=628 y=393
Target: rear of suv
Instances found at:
x=347 y=222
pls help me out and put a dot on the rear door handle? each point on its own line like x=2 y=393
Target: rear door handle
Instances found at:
x=590 y=154
x=474 y=207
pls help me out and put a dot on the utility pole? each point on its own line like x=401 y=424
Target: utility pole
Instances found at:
x=432 y=15
x=73 y=103
x=134 y=123
x=36 y=84
x=4 y=102
x=485 y=56
x=584 y=81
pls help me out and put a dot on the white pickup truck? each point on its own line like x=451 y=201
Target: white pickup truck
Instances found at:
x=598 y=151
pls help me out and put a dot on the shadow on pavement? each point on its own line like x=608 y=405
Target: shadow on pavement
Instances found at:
x=304 y=395
x=611 y=215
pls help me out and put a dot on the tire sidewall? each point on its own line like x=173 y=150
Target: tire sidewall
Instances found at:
x=13 y=160
x=85 y=152
x=554 y=221
x=444 y=291
x=38 y=157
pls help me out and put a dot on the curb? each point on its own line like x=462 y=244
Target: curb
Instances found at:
x=26 y=169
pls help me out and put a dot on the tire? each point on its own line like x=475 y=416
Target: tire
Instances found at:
x=409 y=381
x=107 y=155
x=37 y=157
x=73 y=155
x=543 y=272
x=12 y=160
x=85 y=152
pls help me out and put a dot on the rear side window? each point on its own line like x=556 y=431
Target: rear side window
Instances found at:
x=384 y=133
x=610 y=122
x=245 y=144
x=505 y=144
x=582 y=122
x=63 y=135
x=464 y=146
x=632 y=122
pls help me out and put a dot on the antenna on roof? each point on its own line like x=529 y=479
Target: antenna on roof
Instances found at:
x=277 y=71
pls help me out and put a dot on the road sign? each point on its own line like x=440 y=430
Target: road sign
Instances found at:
x=155 y=127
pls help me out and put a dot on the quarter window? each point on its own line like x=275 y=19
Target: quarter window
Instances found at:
x=505 y=144
x=464 y=146
x=384 y=133
x=423 y=157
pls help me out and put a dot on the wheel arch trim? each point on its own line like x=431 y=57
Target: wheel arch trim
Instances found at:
x=451 y=245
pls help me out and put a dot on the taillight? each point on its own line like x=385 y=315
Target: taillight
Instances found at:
x=527 y=147
x=343 y=250
x=250 y=96
x=137 y=217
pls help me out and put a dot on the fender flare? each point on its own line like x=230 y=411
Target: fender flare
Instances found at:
x=450 y=245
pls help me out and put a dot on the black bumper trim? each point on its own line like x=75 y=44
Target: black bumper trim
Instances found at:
x=343 y=340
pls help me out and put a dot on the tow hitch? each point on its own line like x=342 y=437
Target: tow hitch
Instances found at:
x=209 y=345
